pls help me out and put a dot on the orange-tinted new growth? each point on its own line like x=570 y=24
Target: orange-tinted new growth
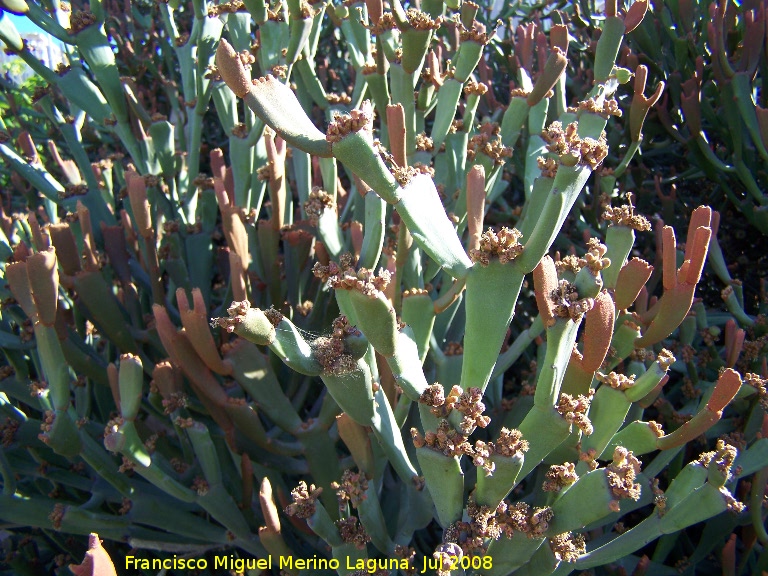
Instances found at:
x=545 y=282
x=114 y=385
x=635 y=15
x=475 y=205
x=669 y=258
x=195 y=322
x=632 y=278
x=137 y=193
x=598 y=331
x=725 y=389
x=96 y=562
x=396 y=128
x=237 y=277
x=232 y=70
x=268 y=506
x=44 y=283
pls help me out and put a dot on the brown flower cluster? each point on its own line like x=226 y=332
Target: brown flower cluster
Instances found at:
x=475 y=34
x=548 y=166
x=758 y=384
x=351 y=489
x=574 y=411
x=488 y=142
x=344 y=277
x=470 y=404
x=80 y=20
x=332 y=352
x=559 y=476
x=421 y=20
x=606 y=109
x=230 y=7
x=318 y=202
x=236 y=313
x=344 y=124
x=334 y=98
x=573 y=149
x=567 y=303
x=594 y=259
x=476 y=88
x=304 y=499
x=625 y=216
x=352 y=532
x=567 y=547
x=424 y=143
x=504 y=244
x=621 y=474
x=570 y=263
x=616 y=381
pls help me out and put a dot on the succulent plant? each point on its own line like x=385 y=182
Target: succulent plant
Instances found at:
x=326 y=313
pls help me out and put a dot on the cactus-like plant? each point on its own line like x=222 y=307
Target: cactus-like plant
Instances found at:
x=325 y=312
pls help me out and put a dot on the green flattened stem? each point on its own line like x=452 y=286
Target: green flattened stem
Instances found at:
x=78 y=89
x=283 y=339
x=513 y=121
x=372 y=518
x=376 y=318
x=378 y=88
x=291 y=347
x=419 y=313
x=406 y=365
x=725 y=390
x=490 y=299
x=241 y=159
x=356 y=151
x=277 y=105
x=560 y=341
x=619 y=240
x=216 y=500
x=415 y=46
x=252 y=371
x=402 y=85
x=125 y=440
x=9 y=34
x=353 y=391
x=390 y=439
x=588 y=500
x=447 y=100
x=36 y=175
x=608 y=48
x=639 y=437
x=131 y=380
x=688 y=501
x=273 y=102
x=312 y=84
x=299 y=31
x=162 y=134
x=424 y=215
x=54 y=365
x=492 y=489
x=257 y=9
x=623 y=342
x=94 y=46
x=545 y=430
x=445 y=482
x=373 y=231
x=566 y=187
x=509 y=554
x=63 y=436
x=466 y=59
x=104 y=309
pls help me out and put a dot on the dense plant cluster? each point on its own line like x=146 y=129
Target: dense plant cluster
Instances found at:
x=376 y=287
